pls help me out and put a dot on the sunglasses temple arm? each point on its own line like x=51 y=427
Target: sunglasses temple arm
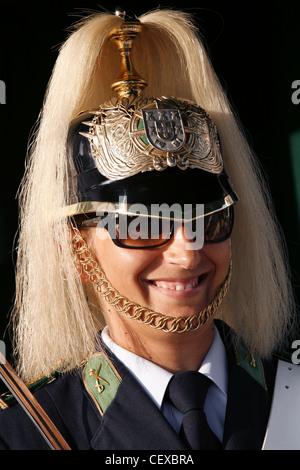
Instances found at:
x=31 y=406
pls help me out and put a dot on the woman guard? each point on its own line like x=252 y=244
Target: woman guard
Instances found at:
x=152 y=284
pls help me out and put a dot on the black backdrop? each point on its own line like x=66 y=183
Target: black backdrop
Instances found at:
x=255 y=49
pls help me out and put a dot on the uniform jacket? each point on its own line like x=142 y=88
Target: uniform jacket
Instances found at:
x=117 y=414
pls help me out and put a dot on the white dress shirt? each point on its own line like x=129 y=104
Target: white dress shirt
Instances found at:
x=154 y=379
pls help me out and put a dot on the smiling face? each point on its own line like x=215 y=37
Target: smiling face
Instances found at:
x=171 y=279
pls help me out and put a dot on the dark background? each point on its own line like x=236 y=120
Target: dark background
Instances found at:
x=255 y=49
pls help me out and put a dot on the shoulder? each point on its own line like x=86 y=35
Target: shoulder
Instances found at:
x=50 y=389
x=242 y=359
x=7 y=399
x=62 y=399
x=74 y=401
x=17 y=430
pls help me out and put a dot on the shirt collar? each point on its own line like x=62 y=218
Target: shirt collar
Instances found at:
x=214 y=364
x=154 y=379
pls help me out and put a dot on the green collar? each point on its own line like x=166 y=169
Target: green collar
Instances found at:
x=101 y=380
x=251 y=363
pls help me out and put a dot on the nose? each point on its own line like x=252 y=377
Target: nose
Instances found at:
x=182 y=250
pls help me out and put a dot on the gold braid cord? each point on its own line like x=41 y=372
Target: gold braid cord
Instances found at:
x=135 y=311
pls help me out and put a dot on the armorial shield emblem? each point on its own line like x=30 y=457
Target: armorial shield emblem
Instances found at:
x=164 y=129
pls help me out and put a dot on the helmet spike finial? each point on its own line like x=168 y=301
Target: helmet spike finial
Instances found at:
x=129 y=83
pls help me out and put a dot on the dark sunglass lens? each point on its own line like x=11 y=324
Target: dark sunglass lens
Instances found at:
x=218 y=226
x=142 y=232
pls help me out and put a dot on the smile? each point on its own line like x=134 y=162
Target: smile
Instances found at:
x=178 y=285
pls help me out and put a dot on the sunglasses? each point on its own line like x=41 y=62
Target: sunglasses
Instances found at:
x=138 y=232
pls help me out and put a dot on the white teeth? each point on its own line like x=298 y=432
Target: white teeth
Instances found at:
x=181 y=287
x=163 y=286
x=176 y=286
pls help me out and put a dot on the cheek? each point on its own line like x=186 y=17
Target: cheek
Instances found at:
x=122 y=267
x=220 y=255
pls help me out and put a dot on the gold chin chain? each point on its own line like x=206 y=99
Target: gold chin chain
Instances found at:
x=134 y=311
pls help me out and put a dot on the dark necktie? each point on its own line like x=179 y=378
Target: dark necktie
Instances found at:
x=187 y=392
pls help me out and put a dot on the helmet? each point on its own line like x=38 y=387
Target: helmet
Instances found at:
x=146 y=151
